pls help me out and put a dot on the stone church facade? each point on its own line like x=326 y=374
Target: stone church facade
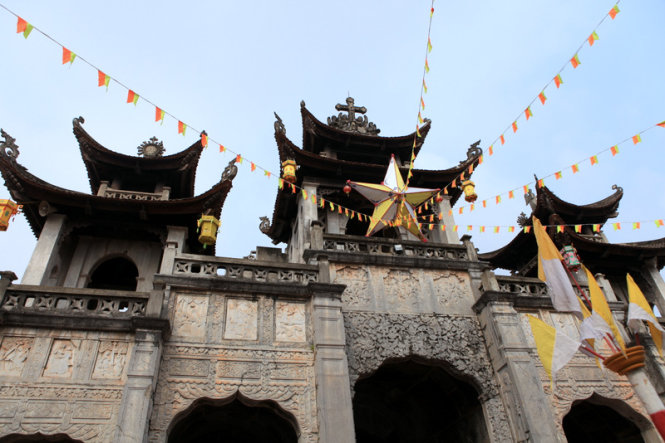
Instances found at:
x=125 y=328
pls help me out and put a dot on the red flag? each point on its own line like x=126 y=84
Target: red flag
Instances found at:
x=594 y=160
x=498 y=199
x=526 y=189
x=592 y=38
x=511 y=194
x=575 y=168
x=662 y=124
x=21 y=25
x=132 y=97
x=159 y=115
x=102 y=79
x=614 y=11
x=238 y=158
x=575 y=61
x=503 y=139
x=557 y=80
x=541 y=183
x=67 y=56
x=221 y=148
x=615 y=150
x=542 y=97
x=491 y=150
x=636 y=139
x=182 y=128
x=204 y=139
x=252 y=167
x=514 y=126
x=480 y=160
x=557 y=175
x=528 y=113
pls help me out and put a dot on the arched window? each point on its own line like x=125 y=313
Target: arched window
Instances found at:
x=234 y=420
x=589 y=421
x=413 y=401
x=116 y=273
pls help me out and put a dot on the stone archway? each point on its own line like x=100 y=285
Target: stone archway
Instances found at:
x=602 y=419
x=235 y=419
x=414 y=400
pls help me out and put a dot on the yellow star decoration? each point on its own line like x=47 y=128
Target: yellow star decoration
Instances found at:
x=393 y=201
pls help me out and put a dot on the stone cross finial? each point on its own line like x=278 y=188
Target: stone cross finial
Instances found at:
x=350 y=108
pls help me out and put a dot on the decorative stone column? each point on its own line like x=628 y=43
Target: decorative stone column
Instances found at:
x=448 y=236
x=137 y=395
x=333 y=392
x=529 y=410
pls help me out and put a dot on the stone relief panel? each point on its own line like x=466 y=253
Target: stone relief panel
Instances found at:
x=373 y=338
x=66 y=382
x=290 y=322
x=61 y=358
x=402 y=290
x=355 y=278
x=111 y=359
x=284 y=376
x=13 y=353
x=241 y=320
x=452 y=290
x=190 y=316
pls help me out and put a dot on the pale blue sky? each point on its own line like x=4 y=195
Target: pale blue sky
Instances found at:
x=226 y=66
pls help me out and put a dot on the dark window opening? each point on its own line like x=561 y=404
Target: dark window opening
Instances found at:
x=118 y=274
x=234 y=420
x=34 y=438
x=412 y=401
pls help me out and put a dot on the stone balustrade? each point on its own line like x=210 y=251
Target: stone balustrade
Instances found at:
x=523 y=286
x=393 y=247
x=106 y=191
x=192 y=265
x=74 y=301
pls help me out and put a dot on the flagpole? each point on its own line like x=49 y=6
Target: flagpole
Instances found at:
x=592 y=352
x=607 y=337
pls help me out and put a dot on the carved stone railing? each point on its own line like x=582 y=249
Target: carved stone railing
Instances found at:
x=523 y=286
x=390 y=247
x=121 y=194
x=73 y=301
x=192 y=265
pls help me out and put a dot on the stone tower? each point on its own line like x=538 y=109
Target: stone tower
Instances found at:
x=126 y=329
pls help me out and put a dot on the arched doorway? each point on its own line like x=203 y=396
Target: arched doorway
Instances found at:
x=594 y=420
x=234 y=420
x=118 y=273
x=417 y=401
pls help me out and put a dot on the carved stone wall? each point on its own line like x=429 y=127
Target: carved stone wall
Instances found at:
x=454 y=341
x=62 y=382
x=258 y=346
x=404 y=290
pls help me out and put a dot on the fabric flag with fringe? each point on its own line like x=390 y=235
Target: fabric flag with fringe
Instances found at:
x=555 y=349
x=602 y=309
x=639 y=310
x=552 y=272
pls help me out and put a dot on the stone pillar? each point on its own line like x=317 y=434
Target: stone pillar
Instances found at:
x=45 y=253
x=650 y=272
x=529 y=410
x=175 y=242
x=6 y=279
x=448 y=236
x=137 y=395
x=333 y=387
x=606 y=287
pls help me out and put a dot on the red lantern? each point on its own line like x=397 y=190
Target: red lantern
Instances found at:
x=347 y=188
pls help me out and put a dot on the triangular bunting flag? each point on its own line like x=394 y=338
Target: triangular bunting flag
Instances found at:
x=132 y=97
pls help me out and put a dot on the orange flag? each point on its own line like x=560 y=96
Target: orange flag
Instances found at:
x=542 y=97
x=132 y=97
x=204 y=139
x=636 y=139
x=614 y=11
x=528 y=113
x=67 y=56
x=103 y=79
x=222 y=149
x=514 y=126
x=159 y=115
x=661 y=124
x=575 y=168
x=503 y=139
x=575 y=61
x=615 y=150
x=557 y=80
x=182 y=128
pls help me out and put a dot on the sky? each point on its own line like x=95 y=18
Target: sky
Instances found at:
x=227 y=66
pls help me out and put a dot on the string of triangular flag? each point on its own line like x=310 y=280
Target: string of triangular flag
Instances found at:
x=527 y=113
x=421 y=103
x=558 y=175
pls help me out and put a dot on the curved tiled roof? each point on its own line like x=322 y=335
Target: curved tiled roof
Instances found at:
x=176 y=170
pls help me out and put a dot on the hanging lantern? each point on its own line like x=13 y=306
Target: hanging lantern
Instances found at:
x=570 y=258
x=347 y=188
x=289 y=171
x=7 y=209
x=208 y=225
x=469 y=189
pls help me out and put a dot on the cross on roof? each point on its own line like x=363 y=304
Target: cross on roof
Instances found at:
x=351 y=109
